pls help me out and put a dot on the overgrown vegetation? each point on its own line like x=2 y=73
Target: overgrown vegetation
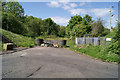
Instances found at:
x=0 y=46
x=19 y=40
x=108 y=53
x=51 y=37
x=99 y=52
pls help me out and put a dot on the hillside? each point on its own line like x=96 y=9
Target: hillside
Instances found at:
x=19 y=40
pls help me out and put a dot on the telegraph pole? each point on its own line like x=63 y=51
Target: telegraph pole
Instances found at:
x=111 y=16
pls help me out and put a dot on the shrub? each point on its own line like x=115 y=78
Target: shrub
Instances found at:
x=114 y=47
x=105 y=53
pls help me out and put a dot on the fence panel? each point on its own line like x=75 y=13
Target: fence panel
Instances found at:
x=79 y=41
x=93 y=40
x=96 y=41
x=89 y=40
x=86 y=40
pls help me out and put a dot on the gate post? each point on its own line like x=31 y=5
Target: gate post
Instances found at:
x=92 y=41
x=76 y=41
x=98 y=40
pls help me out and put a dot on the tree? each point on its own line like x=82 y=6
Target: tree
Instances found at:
x=11 y=23
x=97 y=28
x=106 y=31
x=51 y=27
x=12 y=17
x=14 y=8
x=79 y=26
x=74 y=20
x=80 y=29
x=34 y=26
x=68 y=31
x=62 y=31
x=87 y=19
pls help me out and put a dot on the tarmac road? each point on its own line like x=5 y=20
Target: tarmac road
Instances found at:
x=42 y=62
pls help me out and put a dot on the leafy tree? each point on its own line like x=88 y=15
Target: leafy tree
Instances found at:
x=14 y=8
x=74 y=20
x=80 y=29
x=34 y=26
x=62 y=31
x=106 y=31
x=87 y=19
x=51 y=27
x=97 y=28
x=11 y=23
x=0 y=14
x=78 y=26
x=68 y=31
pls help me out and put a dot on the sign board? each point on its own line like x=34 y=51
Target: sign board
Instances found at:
x=108 y=39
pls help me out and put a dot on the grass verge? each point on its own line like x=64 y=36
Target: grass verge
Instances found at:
x=98 y=52
x=19 y=40
x=51 y=37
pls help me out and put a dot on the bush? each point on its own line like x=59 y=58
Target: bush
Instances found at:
x=114 y=47
x=105 y=53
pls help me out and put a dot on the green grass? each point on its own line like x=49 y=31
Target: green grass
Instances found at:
x=1 y=46
x=19 y=40
x=98 y=52
x=51 y=37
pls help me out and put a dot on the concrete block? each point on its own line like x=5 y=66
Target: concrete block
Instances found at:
x=8 y=46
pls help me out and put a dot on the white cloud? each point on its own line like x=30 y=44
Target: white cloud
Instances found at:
x=77 y=11
x=73 y=5
x=66 y=7
x=60 y=20
x=54 y=4
x=64 y=4
x=64 y=1
x=82 y=3
x=100 y=12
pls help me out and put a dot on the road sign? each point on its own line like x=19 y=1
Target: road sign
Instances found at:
x=108 y=39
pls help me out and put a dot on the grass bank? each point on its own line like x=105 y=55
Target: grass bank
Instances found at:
x=19 y=40
x=98 y=52
x=51 y=37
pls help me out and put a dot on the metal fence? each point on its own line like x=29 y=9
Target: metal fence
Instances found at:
x=86 y=40
x=92 y=40
x=103 y=41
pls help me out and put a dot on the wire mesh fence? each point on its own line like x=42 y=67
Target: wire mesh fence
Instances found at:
x=92 y=40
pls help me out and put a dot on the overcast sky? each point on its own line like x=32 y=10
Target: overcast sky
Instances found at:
x=61 y=12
